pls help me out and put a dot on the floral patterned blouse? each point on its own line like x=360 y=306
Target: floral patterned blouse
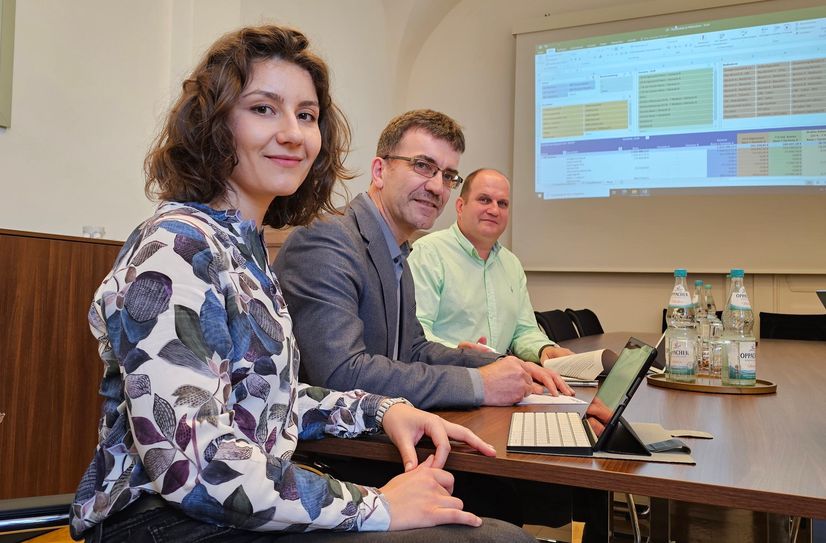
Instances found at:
x=202 y=403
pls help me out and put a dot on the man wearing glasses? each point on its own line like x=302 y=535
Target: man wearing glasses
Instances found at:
x=352 y=301
x=351 y=295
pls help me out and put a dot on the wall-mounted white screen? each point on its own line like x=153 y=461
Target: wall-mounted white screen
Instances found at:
x=674 y=129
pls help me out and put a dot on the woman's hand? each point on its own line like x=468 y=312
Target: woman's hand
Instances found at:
x=405 y=425
x=422 y=498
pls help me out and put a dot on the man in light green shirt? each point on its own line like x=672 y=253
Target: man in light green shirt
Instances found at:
x=471 y=292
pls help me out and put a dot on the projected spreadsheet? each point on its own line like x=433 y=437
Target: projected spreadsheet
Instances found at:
x=737 y=102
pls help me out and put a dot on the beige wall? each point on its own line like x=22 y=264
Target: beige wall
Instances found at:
x=93 y=78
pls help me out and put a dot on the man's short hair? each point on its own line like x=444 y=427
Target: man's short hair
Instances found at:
x=471 y=176
x=438 y=125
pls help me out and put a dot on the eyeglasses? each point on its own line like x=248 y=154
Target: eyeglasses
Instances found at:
x=426 y=168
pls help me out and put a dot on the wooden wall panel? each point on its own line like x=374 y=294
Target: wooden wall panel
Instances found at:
x=50 y=370
x=274 y=239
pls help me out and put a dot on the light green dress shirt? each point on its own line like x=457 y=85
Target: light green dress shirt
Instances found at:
x=460 y=297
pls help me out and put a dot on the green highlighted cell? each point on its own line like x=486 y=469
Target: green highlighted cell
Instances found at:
x=676 y=99
x=580 y=119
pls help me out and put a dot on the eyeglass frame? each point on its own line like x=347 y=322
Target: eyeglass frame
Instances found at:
x=450 y=183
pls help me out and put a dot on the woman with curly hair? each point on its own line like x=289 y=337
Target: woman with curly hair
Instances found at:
x=202 y=405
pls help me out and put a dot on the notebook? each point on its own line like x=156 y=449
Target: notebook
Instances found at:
x=600 y=428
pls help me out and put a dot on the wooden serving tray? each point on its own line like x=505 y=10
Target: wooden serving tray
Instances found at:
x=760 y=387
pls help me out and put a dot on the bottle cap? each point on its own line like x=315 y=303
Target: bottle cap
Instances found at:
x=737 y=272
x=680 y=272
x=707 y=285
x=698 y=282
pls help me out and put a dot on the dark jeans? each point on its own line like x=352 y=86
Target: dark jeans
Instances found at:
x=514 y=501
x=167 y=524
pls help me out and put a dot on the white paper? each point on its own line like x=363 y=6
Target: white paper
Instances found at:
x=547 y=399
x=585 y=366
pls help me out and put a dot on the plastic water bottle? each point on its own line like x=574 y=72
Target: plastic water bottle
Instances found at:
x=741 y=361
x=681 y=335
x=728 y=290
x=709 y=328
x=708 y=299
x=698 y=299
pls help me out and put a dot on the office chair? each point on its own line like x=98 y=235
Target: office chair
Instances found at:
x=789 y=326
x=34 y=514
x=556 y=324
x=586 y=321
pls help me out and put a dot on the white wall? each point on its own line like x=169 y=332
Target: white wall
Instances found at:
x=93 y=79
x=87 y=94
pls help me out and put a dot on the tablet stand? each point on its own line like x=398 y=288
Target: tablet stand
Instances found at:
x=624 y=440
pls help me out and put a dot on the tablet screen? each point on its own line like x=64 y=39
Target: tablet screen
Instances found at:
x=618 y=385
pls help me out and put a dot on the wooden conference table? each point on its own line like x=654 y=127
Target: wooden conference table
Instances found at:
x=768 y=452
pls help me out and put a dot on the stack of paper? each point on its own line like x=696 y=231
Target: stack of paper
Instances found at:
x=582 y=366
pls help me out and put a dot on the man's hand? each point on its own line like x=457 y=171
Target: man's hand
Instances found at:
x=506 y=381
x=549 y=379
x=405 y=425
x=554 y=352
x=422 y=498
x=481 y=345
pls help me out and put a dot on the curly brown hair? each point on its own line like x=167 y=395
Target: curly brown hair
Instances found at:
x=194 y=154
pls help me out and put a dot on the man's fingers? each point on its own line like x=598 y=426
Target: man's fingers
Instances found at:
x=526 y=376
x=563 y=386
x=549 y=383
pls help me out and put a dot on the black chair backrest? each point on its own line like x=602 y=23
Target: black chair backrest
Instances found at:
x=556 y=324
x=788 y=326
x=586 y=321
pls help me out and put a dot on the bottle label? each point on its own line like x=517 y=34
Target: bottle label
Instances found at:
x=680 y=297
x=681 y=357
x=740 y=300
x=742 y=360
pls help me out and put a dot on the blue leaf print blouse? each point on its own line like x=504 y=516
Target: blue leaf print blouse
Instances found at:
x=202 y=403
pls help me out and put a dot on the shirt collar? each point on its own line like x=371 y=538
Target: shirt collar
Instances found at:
x=397 y=253
x=228 y=218
x=468 y=247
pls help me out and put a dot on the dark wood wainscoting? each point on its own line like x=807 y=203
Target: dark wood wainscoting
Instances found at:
x=275 y=239
x=49 y=366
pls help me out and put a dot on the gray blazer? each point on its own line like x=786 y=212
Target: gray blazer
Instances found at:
x=338 y=279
